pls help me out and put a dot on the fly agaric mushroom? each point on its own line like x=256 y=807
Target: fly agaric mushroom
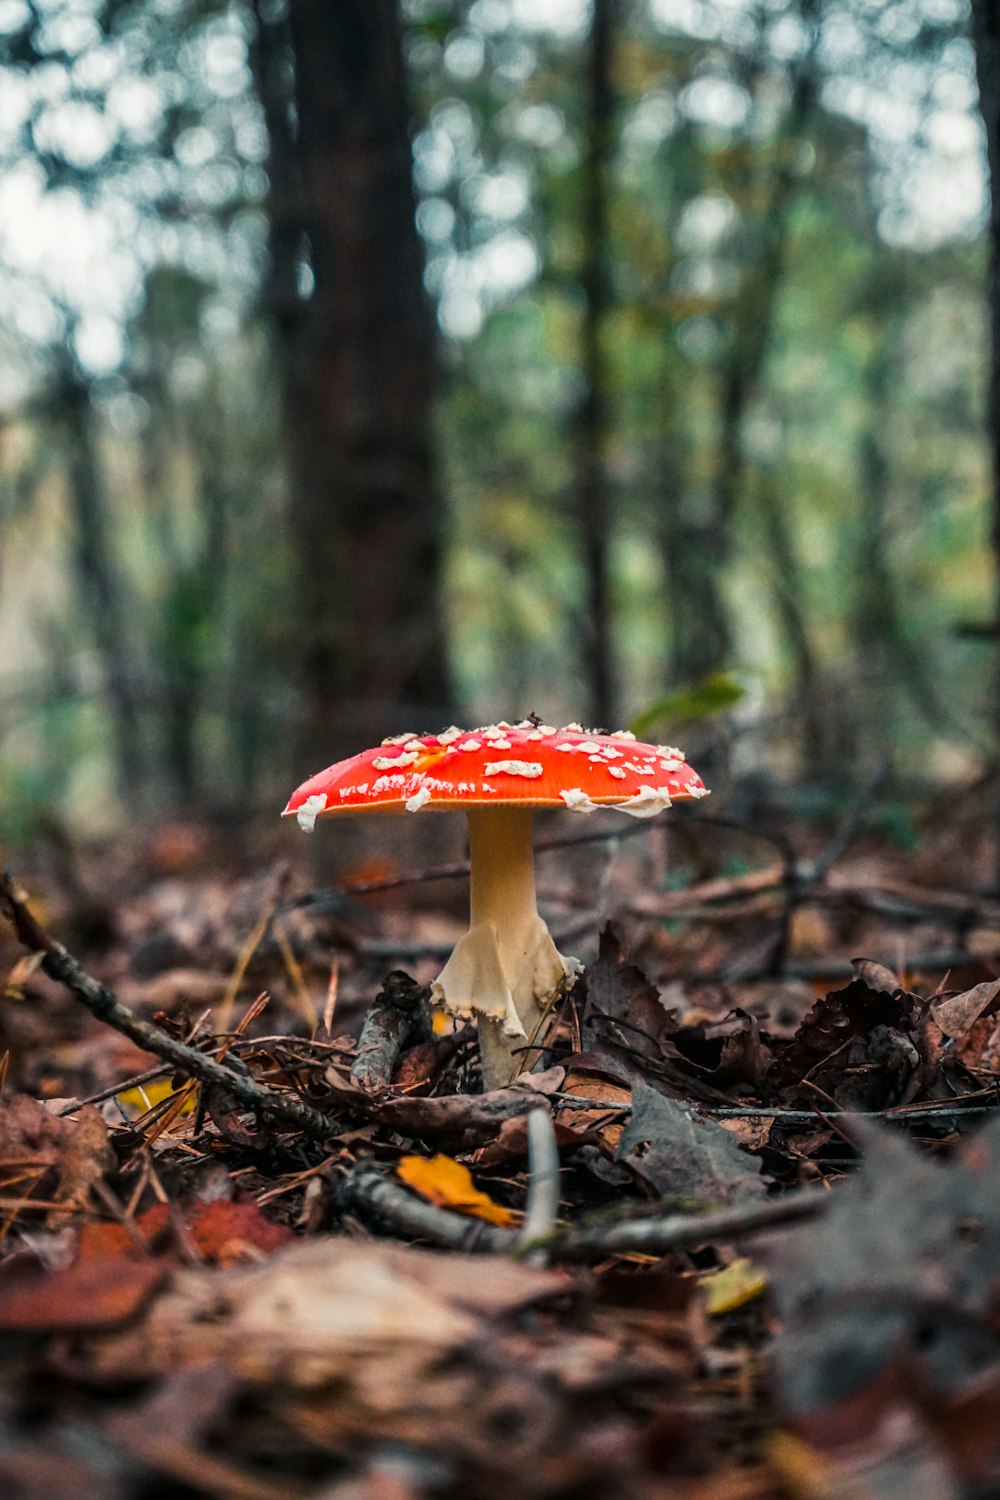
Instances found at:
x=506 y=970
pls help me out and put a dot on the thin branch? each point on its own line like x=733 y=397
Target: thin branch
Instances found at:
x=397 y=1018
x=905 y=1112
x=367 y=1190
x=542 y=1207
x=659 y=1235
x=104 y=1004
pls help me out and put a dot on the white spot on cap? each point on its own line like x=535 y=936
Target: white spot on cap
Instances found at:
x=310 y=811
x=617 y=771
x=670 y=752
x=471 y=745
x=572 y=729
x=622 y=734
x=498 y=743
x=698 y=791
x=418 y=800
x=387 y=762
x=646 y=803
x=399 y=739
x=450 y=735
x=415 y=745
x=578 y=801
x=529 y=768
x=388 y=784
x=610 y=753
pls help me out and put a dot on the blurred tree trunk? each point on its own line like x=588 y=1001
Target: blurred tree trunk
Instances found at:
x=357 y=346
x=101 y=601
x=696 y=614
x=986 y=39
x=885 y=653
x=593 y=418
x=753 y=332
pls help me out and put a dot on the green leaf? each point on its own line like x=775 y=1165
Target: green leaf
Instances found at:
x=710 y=696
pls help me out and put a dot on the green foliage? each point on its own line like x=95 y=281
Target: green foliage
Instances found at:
x=713 y=695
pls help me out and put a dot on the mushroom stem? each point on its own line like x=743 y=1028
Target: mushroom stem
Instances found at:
x=506 y=970
x=502 y=873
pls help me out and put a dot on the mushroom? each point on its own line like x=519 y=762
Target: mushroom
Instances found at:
x=506 y=971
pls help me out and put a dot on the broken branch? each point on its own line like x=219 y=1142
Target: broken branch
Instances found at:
x=104 y=1004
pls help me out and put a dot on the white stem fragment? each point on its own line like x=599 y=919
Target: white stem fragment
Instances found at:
x=506 y=970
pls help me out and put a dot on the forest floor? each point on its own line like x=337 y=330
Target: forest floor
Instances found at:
x=736 y=1237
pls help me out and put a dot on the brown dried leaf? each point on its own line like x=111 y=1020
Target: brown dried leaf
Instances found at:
x=876 y=976
x=314 y=1310
x=86 y=1159
x=618 y=992
x=30 y=1135
x=95 y=1294
x=957 y=1013
x=467 y=1120
x=680 y=1154
x=856 y=1044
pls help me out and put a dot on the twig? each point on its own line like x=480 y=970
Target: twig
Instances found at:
x=805 y=875
x=396 y=1019
x=150 y=1076
x=370 y=1192
x=542 y=1206
x=657 y=1236
x=827 y=968
x=104 y=1004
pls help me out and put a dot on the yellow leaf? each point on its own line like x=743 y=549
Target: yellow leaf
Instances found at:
x=446 y=1182
x=734 y=1285
x=147 y=1095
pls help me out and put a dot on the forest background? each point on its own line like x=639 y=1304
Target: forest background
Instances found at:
x=368 y=366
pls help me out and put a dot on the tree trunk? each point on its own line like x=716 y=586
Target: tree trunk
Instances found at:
x=357 y=351
x=986 y=39
x=101 y=601
x=593 y=501
x=880 y=635
x=752 y=335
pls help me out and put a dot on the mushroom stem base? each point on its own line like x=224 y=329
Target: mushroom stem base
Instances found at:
x=506 y=970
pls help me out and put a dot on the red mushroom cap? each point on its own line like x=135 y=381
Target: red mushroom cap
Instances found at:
x=521 y=765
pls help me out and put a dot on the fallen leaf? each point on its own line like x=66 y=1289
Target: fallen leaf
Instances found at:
x=138 y=1100
x=622 y=1005
x=442 y=1180
x=858 y=1045
x=460 y=1120
x=86 y=1158
x=680 y=1154
x=958 y=1013
x=733 y=1286
x=876 y=976
x=888 y=1304
x=98 y=1294
x=315 y=1308
x=30 y=1135
x=223 y=1231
